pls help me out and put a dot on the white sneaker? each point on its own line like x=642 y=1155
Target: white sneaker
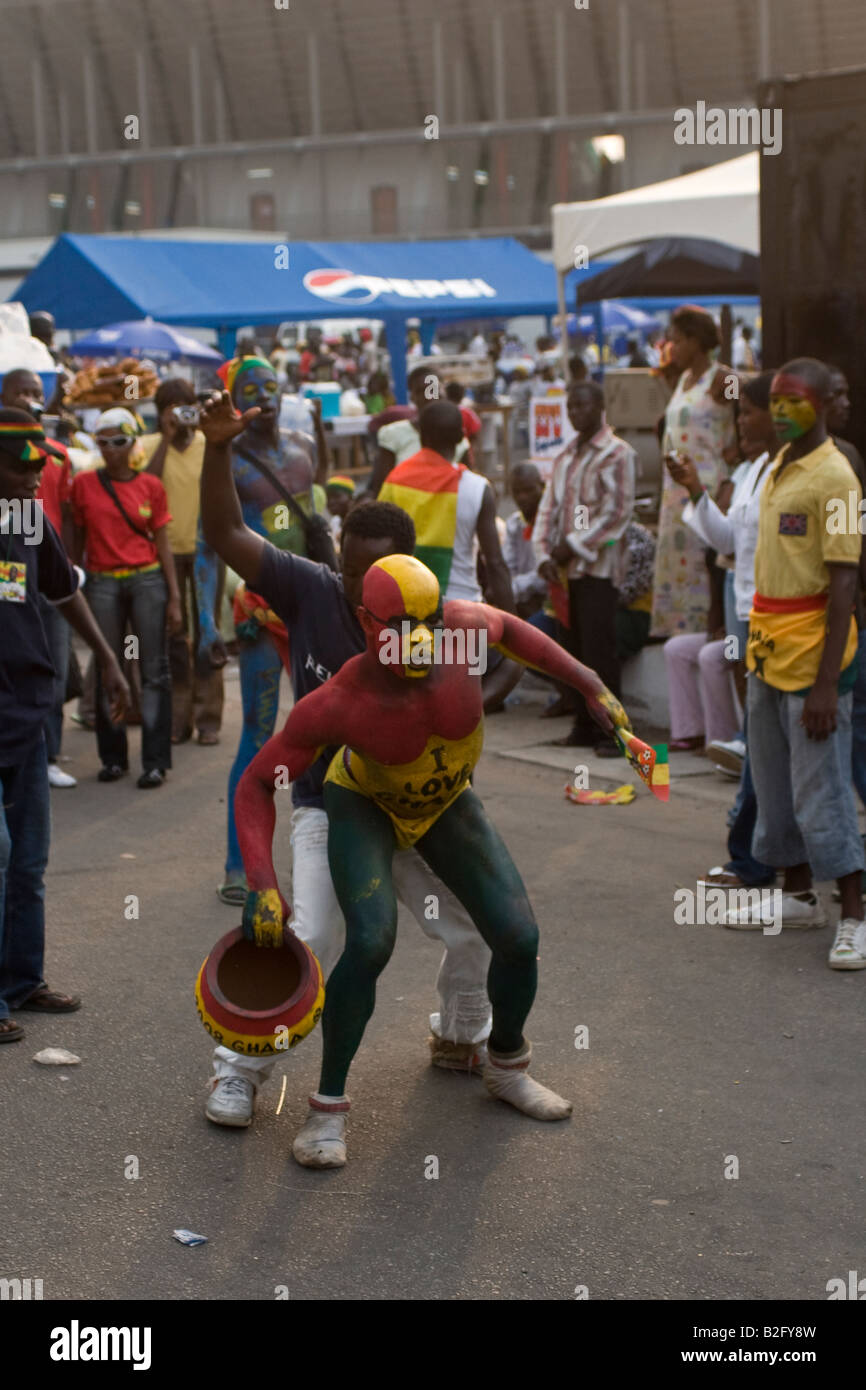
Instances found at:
x=848 y=951
x=797 y=910
x=58 y=778
x=231 y=1102
x=322 y=1141
x=728 y=755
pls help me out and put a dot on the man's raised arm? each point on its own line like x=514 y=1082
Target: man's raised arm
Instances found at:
x=222 y=522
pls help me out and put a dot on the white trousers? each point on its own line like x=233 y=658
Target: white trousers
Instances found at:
x=464 y=1015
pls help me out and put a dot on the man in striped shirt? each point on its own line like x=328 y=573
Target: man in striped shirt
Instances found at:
x=579 y=540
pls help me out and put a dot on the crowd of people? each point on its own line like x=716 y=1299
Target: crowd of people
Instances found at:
x=222 y=503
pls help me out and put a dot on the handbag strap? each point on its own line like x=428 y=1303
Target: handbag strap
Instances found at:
x=267 y=472
x=108 y=486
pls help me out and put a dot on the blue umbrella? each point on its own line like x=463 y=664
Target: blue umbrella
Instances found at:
x=144 y=338
x=614 y=316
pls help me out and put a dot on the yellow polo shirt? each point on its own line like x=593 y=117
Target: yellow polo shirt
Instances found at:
x=181 y=475
x=809 y=518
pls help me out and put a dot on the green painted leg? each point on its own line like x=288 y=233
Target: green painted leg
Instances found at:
x=361 y=846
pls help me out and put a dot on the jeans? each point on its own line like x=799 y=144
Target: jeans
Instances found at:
x=140 y=600
x=196 y=690
x=742 y=828
x=260 y=668
x=858 y=721
x=57 y=633
x=806 y=808
x=25 y=831
x=464 y=1014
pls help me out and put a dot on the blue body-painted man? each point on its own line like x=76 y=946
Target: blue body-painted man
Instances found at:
x=291 y=456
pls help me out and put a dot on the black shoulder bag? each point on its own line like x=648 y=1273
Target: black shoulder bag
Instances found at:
x=317 y=533
x=108 y=486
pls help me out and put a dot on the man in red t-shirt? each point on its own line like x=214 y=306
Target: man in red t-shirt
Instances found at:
x=22 y=390
x=120 y=519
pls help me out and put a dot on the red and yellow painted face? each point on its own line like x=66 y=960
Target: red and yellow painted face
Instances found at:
x=402 y=598
x=795 y=407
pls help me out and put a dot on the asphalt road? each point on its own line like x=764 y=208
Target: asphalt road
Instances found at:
x=705 y=1045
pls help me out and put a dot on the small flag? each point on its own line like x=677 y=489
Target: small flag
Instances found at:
x=650 y=763
x=621 y=797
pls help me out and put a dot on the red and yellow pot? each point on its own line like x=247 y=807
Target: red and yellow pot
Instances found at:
x=259 y=1001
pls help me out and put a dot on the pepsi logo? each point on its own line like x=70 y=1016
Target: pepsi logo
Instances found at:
x=343 y=286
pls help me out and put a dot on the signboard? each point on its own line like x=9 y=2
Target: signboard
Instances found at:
x=549 y=431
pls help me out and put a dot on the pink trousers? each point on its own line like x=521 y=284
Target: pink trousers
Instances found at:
x=700 y=688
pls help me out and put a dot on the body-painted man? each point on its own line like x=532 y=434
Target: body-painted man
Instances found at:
x=290 y=455
x=319 y=610
x=410 y=725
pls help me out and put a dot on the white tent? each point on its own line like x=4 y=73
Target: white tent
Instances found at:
x=721 y=202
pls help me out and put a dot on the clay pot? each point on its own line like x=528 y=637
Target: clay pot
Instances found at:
x=257 y=1000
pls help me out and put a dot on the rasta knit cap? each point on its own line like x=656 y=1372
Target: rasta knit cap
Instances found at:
x=340 y=483
x=230 y=371
x=23 y=437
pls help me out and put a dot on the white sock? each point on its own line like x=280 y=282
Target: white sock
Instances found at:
x=507 y=1080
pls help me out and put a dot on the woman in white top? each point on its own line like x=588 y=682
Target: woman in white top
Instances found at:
x=736 y=532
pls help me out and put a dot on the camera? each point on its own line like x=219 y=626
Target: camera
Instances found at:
x=187 y=414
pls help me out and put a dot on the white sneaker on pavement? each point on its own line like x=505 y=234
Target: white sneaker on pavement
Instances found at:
x=58 y=778
x=797 y=910
x=231 y=1102
x=848 y=951
x=728 y=755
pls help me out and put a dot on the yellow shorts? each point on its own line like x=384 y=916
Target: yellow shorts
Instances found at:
x=412 y=795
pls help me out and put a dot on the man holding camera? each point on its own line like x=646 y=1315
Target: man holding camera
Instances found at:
x=175 y=455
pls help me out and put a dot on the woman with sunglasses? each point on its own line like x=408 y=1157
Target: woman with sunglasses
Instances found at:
x=120 y=519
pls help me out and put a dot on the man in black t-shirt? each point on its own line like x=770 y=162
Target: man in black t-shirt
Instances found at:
x=318 y=608
x=32 y=563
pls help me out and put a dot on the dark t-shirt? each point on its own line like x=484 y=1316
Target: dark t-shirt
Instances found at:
x=26 y=668
x=323 y=635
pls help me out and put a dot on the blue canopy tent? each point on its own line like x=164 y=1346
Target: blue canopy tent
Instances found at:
x=89 y=281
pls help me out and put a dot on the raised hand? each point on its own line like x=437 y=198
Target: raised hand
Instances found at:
x=219 y=422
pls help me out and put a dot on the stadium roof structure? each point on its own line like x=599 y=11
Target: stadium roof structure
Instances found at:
x=89 y=281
